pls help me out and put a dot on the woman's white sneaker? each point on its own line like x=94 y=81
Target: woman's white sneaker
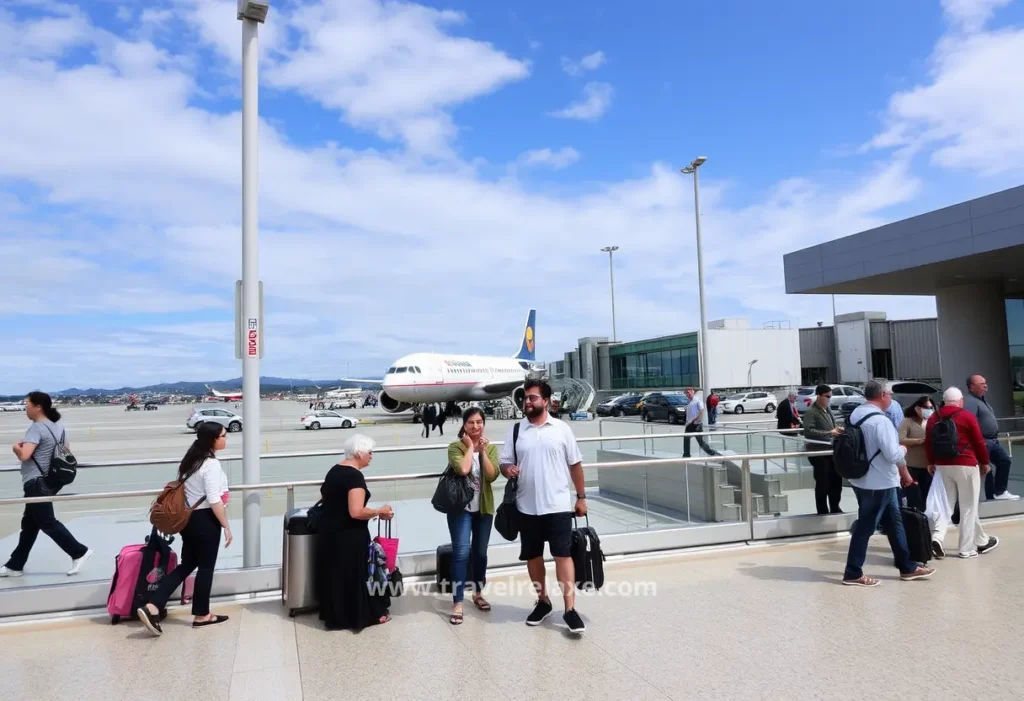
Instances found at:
x=76 y=565
x=5 y=571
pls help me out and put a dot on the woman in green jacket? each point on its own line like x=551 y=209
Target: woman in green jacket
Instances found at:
x=472 y=455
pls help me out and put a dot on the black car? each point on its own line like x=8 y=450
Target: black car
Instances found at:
x=626 y=405
x=665 y=407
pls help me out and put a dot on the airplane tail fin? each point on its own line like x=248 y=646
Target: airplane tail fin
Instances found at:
x=528 y=349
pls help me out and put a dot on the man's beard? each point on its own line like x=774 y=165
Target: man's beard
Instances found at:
x=534 y=410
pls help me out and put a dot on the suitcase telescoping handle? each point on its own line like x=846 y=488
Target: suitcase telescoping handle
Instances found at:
x=387 y=529
x=575 y=522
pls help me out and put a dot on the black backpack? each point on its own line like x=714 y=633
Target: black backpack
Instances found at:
x=945 y=439
x=849 y=451
x=63 y=464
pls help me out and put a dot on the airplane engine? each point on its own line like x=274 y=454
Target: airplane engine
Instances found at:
x=519 y=398
x=391 y=405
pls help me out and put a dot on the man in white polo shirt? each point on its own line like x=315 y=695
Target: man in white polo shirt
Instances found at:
x=543 y=459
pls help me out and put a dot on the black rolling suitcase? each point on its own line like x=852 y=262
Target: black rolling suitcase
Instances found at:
x=919 y=534
x=444 y=569
x=587 y=557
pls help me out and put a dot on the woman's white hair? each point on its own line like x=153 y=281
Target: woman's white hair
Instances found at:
x=358 y=444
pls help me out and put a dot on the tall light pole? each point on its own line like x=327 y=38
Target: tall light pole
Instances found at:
x=750 y=371
x=702 y=337
x=252 y=14
x=610 y=250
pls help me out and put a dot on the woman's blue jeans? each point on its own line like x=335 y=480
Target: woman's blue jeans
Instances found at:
x=471 y=532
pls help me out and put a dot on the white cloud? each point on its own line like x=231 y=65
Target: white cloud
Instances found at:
x=393 y=67
x=562 y=158
x=137 y=213
x=597 y=98
x=590 y=62
x=971 y=15
x=965 y=114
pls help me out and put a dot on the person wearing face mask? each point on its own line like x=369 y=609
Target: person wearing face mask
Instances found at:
x=912 y=435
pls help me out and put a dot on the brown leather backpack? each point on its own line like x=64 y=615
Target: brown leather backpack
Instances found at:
x=170 y=512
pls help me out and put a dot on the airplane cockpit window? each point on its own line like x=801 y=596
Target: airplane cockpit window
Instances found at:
x=401 y=370
x=417 y=371
x=391 y=371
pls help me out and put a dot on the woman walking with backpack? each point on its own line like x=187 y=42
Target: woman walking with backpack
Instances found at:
x=35 y=452
x=206 y=490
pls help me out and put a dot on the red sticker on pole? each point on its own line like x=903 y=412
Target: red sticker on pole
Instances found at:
x=253 y=347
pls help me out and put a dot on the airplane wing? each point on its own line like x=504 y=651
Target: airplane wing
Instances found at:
x=507 y=386
x=361 y=381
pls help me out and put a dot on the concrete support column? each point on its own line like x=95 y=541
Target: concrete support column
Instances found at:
x=604 y=368
x=973 y=339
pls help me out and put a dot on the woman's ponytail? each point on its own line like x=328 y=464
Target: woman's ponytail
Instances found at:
x=43 y=401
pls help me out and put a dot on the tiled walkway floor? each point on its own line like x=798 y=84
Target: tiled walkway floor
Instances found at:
x=768 y=623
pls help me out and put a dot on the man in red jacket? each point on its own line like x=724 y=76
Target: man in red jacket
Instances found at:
x=955 y=447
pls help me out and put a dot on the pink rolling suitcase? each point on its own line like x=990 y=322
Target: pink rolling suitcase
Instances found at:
x=138 y=571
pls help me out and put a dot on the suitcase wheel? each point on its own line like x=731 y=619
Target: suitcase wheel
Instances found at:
x=114 y=620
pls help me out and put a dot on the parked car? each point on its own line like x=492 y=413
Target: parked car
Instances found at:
x=626 y=405
x=906 y=392
x=665 y=407
x=228 y=419
x=151 y=406
x=744 y=402
x=841 y=394
x=327 y=419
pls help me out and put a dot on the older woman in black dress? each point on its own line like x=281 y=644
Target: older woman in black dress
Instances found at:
x=343 y=545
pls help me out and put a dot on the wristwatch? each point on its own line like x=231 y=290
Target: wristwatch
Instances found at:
x=580 y=496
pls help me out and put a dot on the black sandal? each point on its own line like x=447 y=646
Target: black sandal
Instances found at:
x=151 y=622
x=212 y=622
x=455 y=619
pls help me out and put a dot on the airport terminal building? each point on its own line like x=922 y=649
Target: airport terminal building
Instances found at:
x=858 y=347
x=970 y=256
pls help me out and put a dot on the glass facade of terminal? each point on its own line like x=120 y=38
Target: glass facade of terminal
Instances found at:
x=667 y=362
x=1015 y=331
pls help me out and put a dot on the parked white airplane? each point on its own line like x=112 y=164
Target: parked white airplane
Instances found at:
x=424 y=378
x=226 y=396
x=341 y=392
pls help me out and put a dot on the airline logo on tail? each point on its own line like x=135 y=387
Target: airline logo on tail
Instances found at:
x=528 y=350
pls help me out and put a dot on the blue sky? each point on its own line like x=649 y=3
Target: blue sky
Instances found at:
x=429 y=171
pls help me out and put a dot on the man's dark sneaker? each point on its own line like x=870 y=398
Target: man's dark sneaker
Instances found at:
x=992 y=544
x=937 y=550
x=573 y=620
x=541 y=611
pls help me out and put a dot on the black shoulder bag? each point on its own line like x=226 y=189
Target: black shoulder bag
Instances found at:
x=506 y=520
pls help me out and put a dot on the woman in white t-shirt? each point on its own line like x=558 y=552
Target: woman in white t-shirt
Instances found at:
x=472 y=455
x=206 y=491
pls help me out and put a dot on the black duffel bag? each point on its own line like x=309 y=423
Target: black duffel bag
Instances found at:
x=506 y=519
x=453 y=493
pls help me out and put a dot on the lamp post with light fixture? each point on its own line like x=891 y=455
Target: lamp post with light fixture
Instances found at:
x=702 y=337
x=610 y=250
x=252 y=13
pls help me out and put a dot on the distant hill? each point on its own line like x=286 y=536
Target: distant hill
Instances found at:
x=267 y=384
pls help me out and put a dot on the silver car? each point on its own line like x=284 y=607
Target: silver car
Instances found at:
x=841 y=394
x=228 y=419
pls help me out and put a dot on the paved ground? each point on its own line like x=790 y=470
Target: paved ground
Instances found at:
x=750 y=623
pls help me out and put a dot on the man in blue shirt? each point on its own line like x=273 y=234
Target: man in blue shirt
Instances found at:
x=876 y=491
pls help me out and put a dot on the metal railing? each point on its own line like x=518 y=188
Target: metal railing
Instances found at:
x=291 y=485
x=413 y=448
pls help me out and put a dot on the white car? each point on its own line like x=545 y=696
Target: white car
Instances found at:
x=749 y=401
x=327 y=419
x=841 y=394
x=228 y=419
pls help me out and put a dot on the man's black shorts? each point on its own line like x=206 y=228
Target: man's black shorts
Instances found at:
x=553 y=529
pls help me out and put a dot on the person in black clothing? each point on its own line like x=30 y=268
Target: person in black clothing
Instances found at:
x=343 y=544
x=439 y=419
x=429 y=418
x=786 y=415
